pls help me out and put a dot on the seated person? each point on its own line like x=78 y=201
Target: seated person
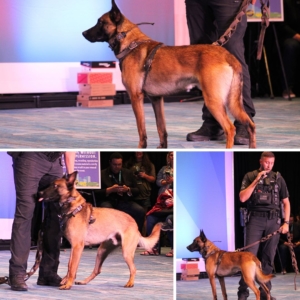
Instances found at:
x=118 y=188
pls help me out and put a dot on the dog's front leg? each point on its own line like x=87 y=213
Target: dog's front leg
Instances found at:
x=159 y=111
x=137 y=102
x=223 y=288
x=213 y=285
x=75 y=255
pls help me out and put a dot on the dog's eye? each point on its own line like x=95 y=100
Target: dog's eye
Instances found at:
x=55 y=186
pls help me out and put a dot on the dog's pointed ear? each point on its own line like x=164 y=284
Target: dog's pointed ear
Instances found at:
x=115 y=13
x=71 y=178
x=202 y=236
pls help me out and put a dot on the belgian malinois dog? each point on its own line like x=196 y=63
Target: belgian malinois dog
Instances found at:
x=83 y=225
x=152 y=69
x=220 y=263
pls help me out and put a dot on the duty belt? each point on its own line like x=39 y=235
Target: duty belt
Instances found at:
x=270 y=214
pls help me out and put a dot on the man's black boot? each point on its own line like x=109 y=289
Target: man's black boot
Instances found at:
x=17 y=283
x=207 y=132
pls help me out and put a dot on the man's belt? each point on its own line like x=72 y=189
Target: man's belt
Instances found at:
x=268 y=214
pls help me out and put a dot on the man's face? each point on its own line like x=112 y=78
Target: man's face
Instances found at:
x=116 y=165
x=267 y=163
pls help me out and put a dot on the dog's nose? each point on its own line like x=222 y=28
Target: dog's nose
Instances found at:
x=84 y=33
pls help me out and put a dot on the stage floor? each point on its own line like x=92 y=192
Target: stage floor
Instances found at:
x=282 y=288
x=277 y=122
x=154 y=278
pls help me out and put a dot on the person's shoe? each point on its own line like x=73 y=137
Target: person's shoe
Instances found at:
x=206 y=133
x=17 y=283
x=167 y=226
x=263 y=297
x=241 y=136
x=53 y=280
x=285 y=94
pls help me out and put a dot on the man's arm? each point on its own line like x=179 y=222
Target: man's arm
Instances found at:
x=287 y=211
x=246 y=193
x=70 y=161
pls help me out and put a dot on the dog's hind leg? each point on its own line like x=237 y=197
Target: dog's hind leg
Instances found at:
x=129 y=244
x=223 y=287
x=248 y=272
x=103 y=251
x=159 y=111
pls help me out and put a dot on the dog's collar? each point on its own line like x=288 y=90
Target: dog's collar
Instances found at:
x=131 y=46
x=69 y=200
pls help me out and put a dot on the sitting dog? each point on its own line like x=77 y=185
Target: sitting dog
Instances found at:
x=83 y=224
x=150 y=68
x=220 y=263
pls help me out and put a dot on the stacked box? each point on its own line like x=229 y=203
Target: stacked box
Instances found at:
x=190 y=270
x=95 y=88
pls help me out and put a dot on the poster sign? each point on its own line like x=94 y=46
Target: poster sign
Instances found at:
x=276 y=11
x=87 y=163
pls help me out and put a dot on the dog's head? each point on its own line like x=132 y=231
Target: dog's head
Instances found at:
x=198 y=243
x=106 y=26
x=60 y=189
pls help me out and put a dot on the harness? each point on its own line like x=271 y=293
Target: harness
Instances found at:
x=64 y=217
x=114 y=42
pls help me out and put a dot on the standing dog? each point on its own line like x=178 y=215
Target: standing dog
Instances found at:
x=219 y=263
x=150 y=68
x=85 y=225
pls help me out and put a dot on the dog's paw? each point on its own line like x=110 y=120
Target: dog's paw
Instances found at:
x=65 y=287
x=129 y=284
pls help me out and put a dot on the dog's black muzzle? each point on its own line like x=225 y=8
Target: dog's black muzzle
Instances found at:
x=193 y=247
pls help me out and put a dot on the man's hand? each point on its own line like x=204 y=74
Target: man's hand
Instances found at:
x=284 y=228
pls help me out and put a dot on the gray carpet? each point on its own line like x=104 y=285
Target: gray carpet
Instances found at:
x=282 y=288
x=154 y=278
x=277 y=121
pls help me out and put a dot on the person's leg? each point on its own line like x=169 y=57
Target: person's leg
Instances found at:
x=268 y=252
x=290 y=57
x=52 y=234
x=27 y=174
x=200 y=21
x=283 y=252
x=254 y=232
x=225 y=12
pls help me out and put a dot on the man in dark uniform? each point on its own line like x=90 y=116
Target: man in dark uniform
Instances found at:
x=207 y=20
x=34 y=171
x=265 y=191
x=118 y=189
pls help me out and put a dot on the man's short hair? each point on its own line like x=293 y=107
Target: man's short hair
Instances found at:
x=115 y=155
x=267 y=154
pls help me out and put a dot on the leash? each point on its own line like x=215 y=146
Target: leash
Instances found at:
x=265 y=14
x=290 y=245
x=293 y=256
x=263 y=239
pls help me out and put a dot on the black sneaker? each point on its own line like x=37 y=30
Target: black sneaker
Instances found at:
x=53 y=280
x=17 y=283
x=241 y=135
x=167 y=226
x=206 y=133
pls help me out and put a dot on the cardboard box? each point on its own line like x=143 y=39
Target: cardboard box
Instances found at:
x=101 y=89
x=189 y=277
x=190 y=272
x=101 y=101
x=95 y=77
x=189 y=265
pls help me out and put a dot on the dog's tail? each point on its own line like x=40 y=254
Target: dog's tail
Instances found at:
x=261 y=277
x=149 y=242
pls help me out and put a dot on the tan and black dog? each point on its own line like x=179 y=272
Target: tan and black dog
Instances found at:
x=150 y=68
x=220 y=263
x=86 y=225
